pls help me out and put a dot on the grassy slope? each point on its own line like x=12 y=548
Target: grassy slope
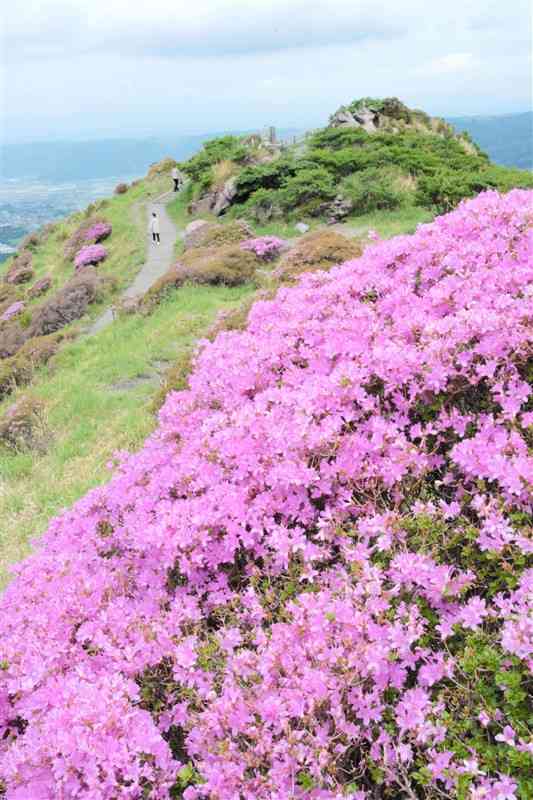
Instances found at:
x=88 y=416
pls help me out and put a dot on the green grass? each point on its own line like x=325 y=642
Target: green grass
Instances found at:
x=88 y=417
x=391 y=223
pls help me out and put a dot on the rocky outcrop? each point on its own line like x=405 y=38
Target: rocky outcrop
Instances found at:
x=366 y=118
x=389 y=115
x=216 y=201
x=339 y=208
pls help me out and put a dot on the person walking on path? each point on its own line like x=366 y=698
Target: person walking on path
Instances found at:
x=176 y=178
x=155 y=229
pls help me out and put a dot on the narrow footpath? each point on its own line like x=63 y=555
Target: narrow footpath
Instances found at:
x=159 y=258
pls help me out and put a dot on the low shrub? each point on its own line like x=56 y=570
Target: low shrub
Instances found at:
x=228 y=265
x=160 y=168
x=20 y=270
x=375 y=189
x=23 y=425
x=215 y=234
x=445 y=188
x=9 y=294
x=266 y=248
x=90 y=256
x=14 y=310
x=222 y=149
x=69 y=304
x=271 y=175
x=121 y=188
x=19 y=369
x=307 y=189
x=77 y=239
x=263 y=206
x=12 y=336
x=20 y=275
x=40 y=287
x=98 y=232
x=320 y=250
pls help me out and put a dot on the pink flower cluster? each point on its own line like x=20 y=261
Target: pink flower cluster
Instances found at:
x=92 y=254
x=13 y=310
x=243 y=594
x=98 y=232
x=265 y=247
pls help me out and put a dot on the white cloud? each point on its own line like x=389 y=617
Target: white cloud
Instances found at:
x=449 y=64
x=125 y=67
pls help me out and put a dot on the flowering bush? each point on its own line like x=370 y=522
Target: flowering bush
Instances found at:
x=311 y=582
x=92 y=254
x=14 y=310
x=98 y=232
x=265 y=247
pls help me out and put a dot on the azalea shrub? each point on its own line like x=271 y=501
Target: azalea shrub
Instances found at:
x=91 y=255
x=13 y=310
x=312 y=582
x=267 y=248
x=98 y=232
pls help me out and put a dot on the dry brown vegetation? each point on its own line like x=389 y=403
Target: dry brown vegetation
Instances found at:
x=320 y=250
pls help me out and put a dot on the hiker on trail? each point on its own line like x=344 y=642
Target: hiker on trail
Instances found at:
x=154 y=228
x=176 y=177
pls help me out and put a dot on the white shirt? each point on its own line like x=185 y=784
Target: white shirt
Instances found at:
x=175 y=173
x=154 y=225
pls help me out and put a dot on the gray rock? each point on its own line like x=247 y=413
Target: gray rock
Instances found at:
x=341 y=118
x=225 y=197
x=365 y=118
x=301 y=227
x=216 y=202
x=337 y=210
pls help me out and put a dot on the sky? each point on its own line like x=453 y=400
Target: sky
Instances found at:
x=126 y=68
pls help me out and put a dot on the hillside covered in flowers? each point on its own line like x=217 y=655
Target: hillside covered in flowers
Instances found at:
x=312 y=583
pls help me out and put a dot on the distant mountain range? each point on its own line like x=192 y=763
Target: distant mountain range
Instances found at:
x=507 y=138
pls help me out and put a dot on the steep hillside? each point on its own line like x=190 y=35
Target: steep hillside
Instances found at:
x=312 y=580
